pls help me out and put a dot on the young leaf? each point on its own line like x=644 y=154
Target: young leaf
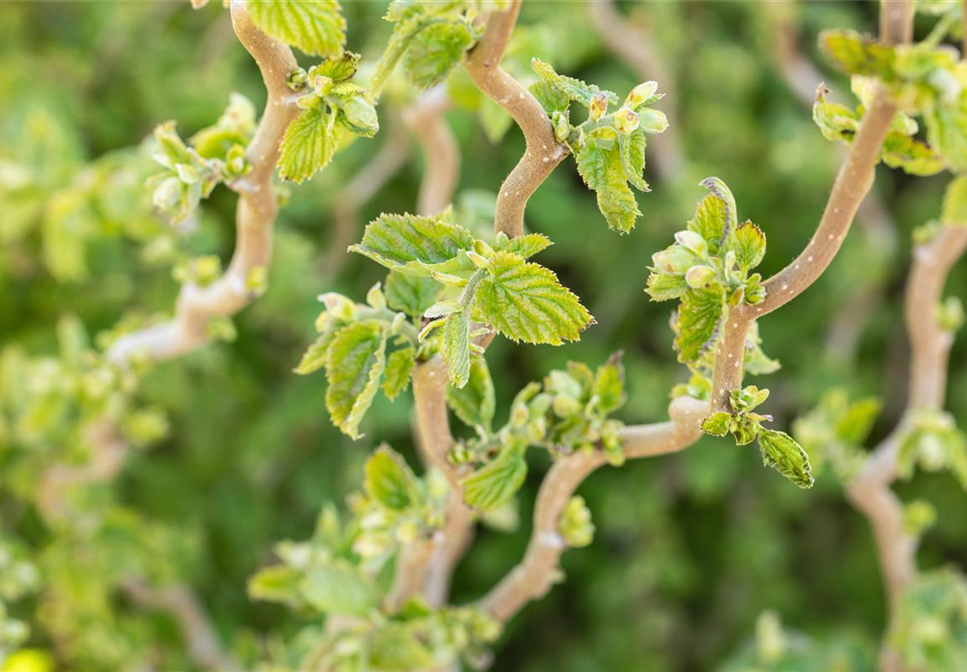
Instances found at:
x=307 y=146
x=603 y=172
x=338 y=587
x=573 y=89
x=855 y=54
x=781 y=452
x=279 y=583
x=496 y=482
x=632 y=149
x=354 y=368
x=389 y=480
x=394 y=647
x=474 y=403
x=525 y=246
x=665 y=286
x=698 y=319
x=749 y=244
x=717 y=424
x=315 y=357
x=711 y=218
x=435 y=51
x=315 y=27
x=412 y=242
x=525 y=302
x=455 y=347
x=609 y=383
x=399 y=368
x=411 y=294
x=955 y=202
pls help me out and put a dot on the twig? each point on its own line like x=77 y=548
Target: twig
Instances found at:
x=534 y=576
x=543 y=152
x=802 y=78
x=204 y=648
x=256 y=212
x=632 y=45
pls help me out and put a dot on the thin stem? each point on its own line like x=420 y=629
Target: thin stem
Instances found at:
x=543 y=152
x=255 y=215
x=633 y=46
x=201 y=639
x=534 y=576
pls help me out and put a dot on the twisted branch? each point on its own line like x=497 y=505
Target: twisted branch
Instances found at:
x=255 y=215
x=534 y=576
x=543 y=152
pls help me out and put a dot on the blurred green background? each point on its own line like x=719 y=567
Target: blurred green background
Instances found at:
x=690 y=548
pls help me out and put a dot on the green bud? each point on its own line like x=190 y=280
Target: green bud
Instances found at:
x=359 y=115
x=206 y=270
x=932 y=452
x=375 y=297
x=565 y=406
x=950 y=314
x=641 y=94
x=236 y=164
x=307 y=102
x=675 y=260
x=297 y=79
x=918 y=516
x=575 y=525
x=221 y=328
x=626 y=121
x=339 y=306
x=320 y=83
x=407 y=533
x=692 y=241
x=598 y=106
x=257 y=281
x=699 y=276
x=652 y=121
x=562 y=127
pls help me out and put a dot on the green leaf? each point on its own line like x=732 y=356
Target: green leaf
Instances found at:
x=315 y=357
x=955 y=202
x=496 y=482
x=911 y=154
x=455 y=347
x=749 y=244
x=315 y=27
x=857 y=421
x=339 y=68
x=946 y=127
x=411 y=294
x=525 y=302
x=435 y=51
x=235 y=127
x=354 y=368
x=717 y=424
x=395 y=647
x=525 y=246
x=412 y=243
x=474 y=403
x=632 y=149
x=307 y=146
x=698 y=320
x=609 y=384
x=781 y=452
x=603 y=172
x=279 y=583
x=399 y=368
x=855 y=54
x=664 y=286
x=711 y=218
x=728 y=211
x=573 y=89
x=389 y=480
x=338 y=587
x=403 y=33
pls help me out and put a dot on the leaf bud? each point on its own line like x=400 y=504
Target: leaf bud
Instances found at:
x=297 y=79
x=641 y=94
x=562 y=127
x=375 y=297
x=675 y=260
x=692 y=241
x=625 y=121
x=699 y=276
x=339 y=306
x=652 y=121
x=359 y=115
x=598 y=106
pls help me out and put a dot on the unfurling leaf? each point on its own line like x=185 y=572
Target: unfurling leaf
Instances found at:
x=307 y=146
x=435 y=51
x=698 y=320
x=604 y=173
x=781 y=452
x=315 y=27
x=855 y=54
x=412 y=243
x=609 y=384
x=525 y=246
x=315 y=357
x=389 y=480
x=749 y=244
x=717 y=424
x=474 y=403
x=355 y=363
x=338 y=587
x=411 y=294
x=399 y=368
x=525 y=302
x=455 y=347
x=496 y=482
